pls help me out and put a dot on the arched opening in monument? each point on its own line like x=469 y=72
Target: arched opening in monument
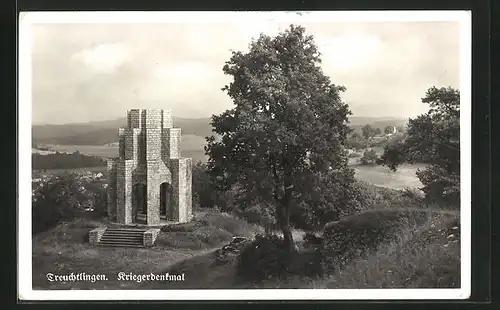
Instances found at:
x=139 y=203
x=166 y=211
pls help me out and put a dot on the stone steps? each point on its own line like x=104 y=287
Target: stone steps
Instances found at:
x=122 y=237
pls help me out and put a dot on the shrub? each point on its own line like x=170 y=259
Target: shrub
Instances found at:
x=426 y=257
x=364 y=233
x=203 y=190
x=259 y=214
x=61 y=198
x=209 y=231
x=371 y=197
x=440 y=186
x=369 y=157
x=333 y=196
x=263 y=259
x=206 y=195
x=353 y=155
x=212 y=236
x=182 y=227
x=44 y=216
x=355 y=141
x=235 y=226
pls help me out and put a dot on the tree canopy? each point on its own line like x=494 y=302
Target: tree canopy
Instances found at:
x=288 y=124
x=433 y=138
x=369 y=132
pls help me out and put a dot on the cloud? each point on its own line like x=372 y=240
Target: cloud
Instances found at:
x=85 y=72
x=349 y=51
x=104 y=58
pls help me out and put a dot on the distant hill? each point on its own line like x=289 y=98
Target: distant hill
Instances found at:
x=363 y=120
x=105 y=132
x=357 y=123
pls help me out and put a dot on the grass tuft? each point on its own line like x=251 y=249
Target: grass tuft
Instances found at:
x=421 y=255
x=210 y=230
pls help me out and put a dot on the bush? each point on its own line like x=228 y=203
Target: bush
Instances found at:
x=235 y=226
x=375 y=197
x=355 y=141
x=211 y=230
x=333 y=196
x=205 y=194
x=364 y=233
x=259 y=214
x=45 y=216
x=440 y=186
x=203 y=190
x=369 y=157
x=426 y=257
x=61 y=198
x=263 y=259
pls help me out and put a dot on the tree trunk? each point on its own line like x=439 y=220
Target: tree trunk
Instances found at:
x=283 y=207
x=284 y=217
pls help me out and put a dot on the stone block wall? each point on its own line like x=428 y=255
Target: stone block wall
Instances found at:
x=188 y=187
x=182 y=188
x=121 y=143
x=153 y=143
x=150 y=154
x=129 y=143
x=149 y=237
x=153 y=118
x=141 y=148
x=124 y=191
x=96 y=234
x=111 y=189
x=167 y=119
x=134 y=119
x=171 y=143
x=153 y=194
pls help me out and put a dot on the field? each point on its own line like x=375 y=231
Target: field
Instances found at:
x=404 y=177
x=190 y=147
x=39 y=173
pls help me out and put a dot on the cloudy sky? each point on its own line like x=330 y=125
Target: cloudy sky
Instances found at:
x=89 y=72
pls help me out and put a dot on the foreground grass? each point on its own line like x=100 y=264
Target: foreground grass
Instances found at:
x=426 y=255
x=421 y=250
x=65 y=250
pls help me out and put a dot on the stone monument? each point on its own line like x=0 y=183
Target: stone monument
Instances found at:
x=149 y=182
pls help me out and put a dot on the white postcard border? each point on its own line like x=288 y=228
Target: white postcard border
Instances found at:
x=25 y=291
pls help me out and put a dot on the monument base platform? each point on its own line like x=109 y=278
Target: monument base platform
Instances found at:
x=141 y=223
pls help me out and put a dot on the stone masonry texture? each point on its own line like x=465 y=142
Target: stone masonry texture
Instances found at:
x=149 y=154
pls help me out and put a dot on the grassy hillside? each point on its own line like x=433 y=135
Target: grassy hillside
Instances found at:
x=423 y=252
x=103 y=132
x=65 y=249
x=406 y=248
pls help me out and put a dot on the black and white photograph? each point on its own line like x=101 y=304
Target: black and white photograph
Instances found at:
x=244 y=155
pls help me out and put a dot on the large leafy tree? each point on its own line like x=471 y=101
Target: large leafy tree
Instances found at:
x=433 y=138
x=288 y=125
